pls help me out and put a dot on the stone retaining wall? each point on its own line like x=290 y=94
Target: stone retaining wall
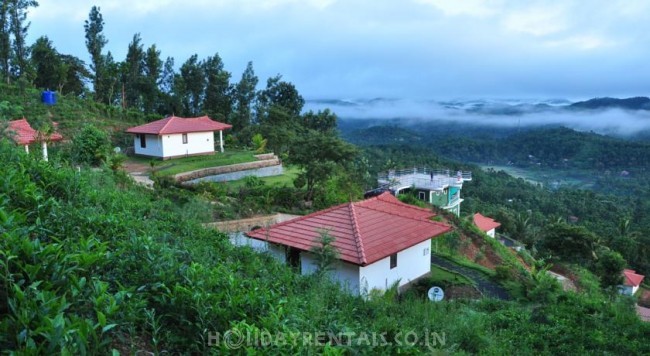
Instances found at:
x=213 y=171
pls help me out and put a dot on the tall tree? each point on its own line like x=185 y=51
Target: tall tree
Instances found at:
x=169 y=101
x=95 y=42
x=217 y=101
x=77 y=75
x=19 y=26
x=133 y=73
x=281 y=95
x=5 y=41
x=153 y=67
x=244 y=98
x=190 y=85
x=51 y=71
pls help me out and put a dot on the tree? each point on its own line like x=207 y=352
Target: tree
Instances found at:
x=95 y=42
x=20 y=58
x=318 y=156
x=153 y=67
x=217 y=102
x=133 y=74
x=5 y=40
x=76 y=75
x=170 y=103
x=51 y=71
x=322 y=121
x=570 y=243
x=244 y=97
x=609 y=268
x=325 y=251
x=189 y=86
x=280 y=95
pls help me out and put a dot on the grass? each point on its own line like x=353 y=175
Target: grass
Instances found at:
x=445 y=277
x=553 y=178
x=290 y=173
x=180 y=165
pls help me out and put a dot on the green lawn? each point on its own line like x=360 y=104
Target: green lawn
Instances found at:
x=447 y=277
x=180 y=165
x=290 y=173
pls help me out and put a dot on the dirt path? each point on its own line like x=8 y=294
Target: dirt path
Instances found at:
x=139 y=172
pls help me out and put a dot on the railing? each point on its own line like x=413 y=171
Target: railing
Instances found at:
x=423 y=178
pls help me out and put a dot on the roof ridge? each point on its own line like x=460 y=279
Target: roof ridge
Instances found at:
x=316 y=213
x=160 y=131
x=357 y=235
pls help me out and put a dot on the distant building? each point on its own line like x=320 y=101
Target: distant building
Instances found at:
x=380 y=241
x=486 y=224
x=631 y=282
x=437 y=187
x=24 y=135
x=174 y=137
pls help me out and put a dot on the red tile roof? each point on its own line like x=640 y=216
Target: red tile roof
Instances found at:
x=631 y=278
x=364 y=231
x=24 y=134
x=175 y=125
x=484 y=223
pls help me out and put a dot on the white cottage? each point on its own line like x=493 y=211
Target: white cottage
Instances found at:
x=380 y=241
x=485 y=224
x=631 y=282
x=174 y=137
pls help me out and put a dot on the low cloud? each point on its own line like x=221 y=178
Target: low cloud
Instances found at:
x=499 y=113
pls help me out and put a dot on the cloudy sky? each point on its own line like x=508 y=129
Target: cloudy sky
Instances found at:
x=418 y=49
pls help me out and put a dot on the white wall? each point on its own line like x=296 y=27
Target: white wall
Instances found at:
x=154 y=145
x=491 y=233
x=277 y=251
x=412 y=263
x=346 y=274
x=197 y=142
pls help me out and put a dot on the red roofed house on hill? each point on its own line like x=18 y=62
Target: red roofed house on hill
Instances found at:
x=486 y=224
x=177 y=137
x=24 y=135
x=631 y=282
x=379 y=240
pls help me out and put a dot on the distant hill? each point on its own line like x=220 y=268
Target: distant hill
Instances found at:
x=636 y=103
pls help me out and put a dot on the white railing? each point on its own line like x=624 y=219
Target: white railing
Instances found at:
x=423 y=178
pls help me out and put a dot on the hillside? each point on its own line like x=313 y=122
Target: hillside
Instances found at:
x=120 y=267
x=636 y=103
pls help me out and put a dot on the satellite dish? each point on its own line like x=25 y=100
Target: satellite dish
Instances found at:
x=436 y=294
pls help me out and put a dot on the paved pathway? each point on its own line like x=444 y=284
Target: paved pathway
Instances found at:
x=487 y=287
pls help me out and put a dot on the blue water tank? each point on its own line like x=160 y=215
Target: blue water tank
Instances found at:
x=48 y=97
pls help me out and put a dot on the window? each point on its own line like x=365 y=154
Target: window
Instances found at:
x=393 y=261
x=185 y=138
x=422 y=195
x=425 y=252
x=143 y=140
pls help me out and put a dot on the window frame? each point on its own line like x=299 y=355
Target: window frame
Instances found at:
x=393 y=260
x=184 y=138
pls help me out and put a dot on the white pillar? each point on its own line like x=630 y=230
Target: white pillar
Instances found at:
x=221 y=140
x=44 y=144
x=27 y=148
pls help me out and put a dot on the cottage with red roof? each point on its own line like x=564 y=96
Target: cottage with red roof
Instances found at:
x=486 y=224
x=24 y=135
x=631 y=282
x=380 y=241
x=177 y=137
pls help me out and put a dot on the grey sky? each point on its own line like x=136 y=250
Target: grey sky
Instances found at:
x=417 y=49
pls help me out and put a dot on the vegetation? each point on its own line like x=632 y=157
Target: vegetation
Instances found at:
x=124 y=268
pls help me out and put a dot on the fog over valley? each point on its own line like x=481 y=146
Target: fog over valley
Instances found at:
x=612 y=120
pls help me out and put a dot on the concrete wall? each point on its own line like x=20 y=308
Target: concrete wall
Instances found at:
x=412 y=263
x=226 y=177
x=197 y=143
x=154 y=146
x=213 y=171
x=346 y=274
